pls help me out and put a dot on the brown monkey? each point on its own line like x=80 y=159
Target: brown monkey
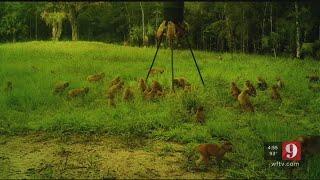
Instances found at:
x=310 y=144
x=156 y=71
x=128 y=94
x=60 y=87
x=78 y=92
x=155 y=91
x=180 y=82
x=171 y=32
x=160 y=30
x=220 y=57
x=95 y=77
x=252 y=91
x=115 y=81
x=200 y=117
x=244 y=100
x=275 y=95
x=114 y=89
x=235 y=91
x=280 y=83
x=142 y=85
x=313 y=78
x=208 y=150
x=262 y=84
x=156 y=86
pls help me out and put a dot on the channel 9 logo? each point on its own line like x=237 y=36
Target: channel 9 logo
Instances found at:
x=286 y=151
x=291 y=151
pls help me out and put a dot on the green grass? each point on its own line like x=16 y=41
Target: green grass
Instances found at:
x=32 y=106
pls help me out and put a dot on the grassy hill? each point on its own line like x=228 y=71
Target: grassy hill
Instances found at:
x=34 y=68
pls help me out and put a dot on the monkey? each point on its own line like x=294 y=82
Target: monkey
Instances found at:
x=275 y=95
x=114 y=89
x=142 y=85
x=200 y=117
x=156 y=86
x=78 y=92
x=60 y=87
x=310 y=144
x=155 y=91
x=235 y=91
x=128 y=94
x=125 y=43
x=280 y=83
x=208 y=150
x=244 y=100
x=252 y=91
x=180 y=82
x=262 y=84
x=313 y=78
x=220 y=57
x=154 y=71
x=115 y=81
x=8 y=87
x=95 y=77
x=181 y=29
x=161 y=29
x=171 y=32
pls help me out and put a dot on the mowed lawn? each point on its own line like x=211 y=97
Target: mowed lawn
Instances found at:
x=35 y=67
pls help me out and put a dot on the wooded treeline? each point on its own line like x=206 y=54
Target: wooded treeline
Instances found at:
x=277 y=28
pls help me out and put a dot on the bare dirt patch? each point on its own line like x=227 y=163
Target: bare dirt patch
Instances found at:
x=44 y=155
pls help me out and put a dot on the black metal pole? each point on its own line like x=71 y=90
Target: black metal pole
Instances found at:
x=155 y=55
x=172 y=77
x=194 y=59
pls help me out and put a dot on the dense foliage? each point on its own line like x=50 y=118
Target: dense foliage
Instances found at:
x=255 y=27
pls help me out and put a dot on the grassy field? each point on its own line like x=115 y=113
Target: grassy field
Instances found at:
x=35 y=67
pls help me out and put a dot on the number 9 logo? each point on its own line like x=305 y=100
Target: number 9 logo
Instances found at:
x=291 y=151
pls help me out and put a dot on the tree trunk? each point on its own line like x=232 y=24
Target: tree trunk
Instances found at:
x=142 y=19
x=319 y=32
x=36 y=26
x=271 y=30
x=298 y=51
x=74 y=23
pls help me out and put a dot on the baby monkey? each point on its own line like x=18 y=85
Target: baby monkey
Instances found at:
x=208 y=150
x=234 y=90
x=115 y=81
x=180 y=82
x=95 y=77
x=142 y=85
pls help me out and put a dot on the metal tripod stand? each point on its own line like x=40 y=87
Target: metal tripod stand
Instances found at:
x=155 y=55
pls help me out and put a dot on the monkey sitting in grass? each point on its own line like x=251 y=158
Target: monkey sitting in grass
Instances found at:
x=234 y=90
x=181 y=82
x=78 y=92
x=128 y=94
x=142 y=85
x=156 y=91
x=208 y=150
x=200 y=117
x=115 y=81
x=280 y=83
x=262 y=84
x=275 y=95
x=60 y=87
x=244 y=101
x=154 y=71
x=95 y=77
x=252 y=90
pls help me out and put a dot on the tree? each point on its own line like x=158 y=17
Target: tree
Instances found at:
x=54 y=20
x=298 y=51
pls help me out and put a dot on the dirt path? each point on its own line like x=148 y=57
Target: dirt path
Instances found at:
x=75 y=156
